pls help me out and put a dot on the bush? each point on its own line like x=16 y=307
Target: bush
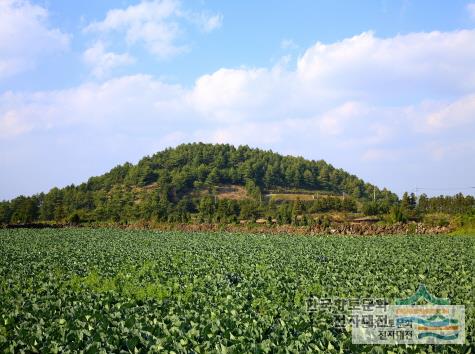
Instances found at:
x=74 y=219
x=437 y=219
x=397 y=214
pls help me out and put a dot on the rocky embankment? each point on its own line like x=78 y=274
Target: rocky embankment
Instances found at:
x=375 y=229
x=335 y=229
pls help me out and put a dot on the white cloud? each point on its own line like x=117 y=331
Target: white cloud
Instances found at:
x=418 y=64
x=336 y=120
x=129 y=104
x=102 y=62
x=155 y=24
x=207 y=22
x=457 y=114
x=288 y=44
x=471 y=9
x=25 y=36
x=136 y=15
x=231 y=94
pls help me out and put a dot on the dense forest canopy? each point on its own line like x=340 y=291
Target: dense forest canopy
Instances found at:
x=176 y=183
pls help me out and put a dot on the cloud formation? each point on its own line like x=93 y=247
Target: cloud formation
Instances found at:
x=102 y=62
x=422 y=64
x=323 y=86
x=155 y=24
x=25 y=36
x=207 y=22
x=287 y=43
x=458 y=113
x=398 y=103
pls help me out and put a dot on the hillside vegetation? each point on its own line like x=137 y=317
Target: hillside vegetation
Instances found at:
x=221 y=183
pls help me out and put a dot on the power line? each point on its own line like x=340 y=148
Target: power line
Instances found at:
x=417 y=190
x=442 y=189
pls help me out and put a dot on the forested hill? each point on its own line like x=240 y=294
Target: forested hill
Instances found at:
x=178 y=182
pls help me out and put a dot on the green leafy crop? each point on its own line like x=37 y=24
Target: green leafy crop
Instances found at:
x=89 y=290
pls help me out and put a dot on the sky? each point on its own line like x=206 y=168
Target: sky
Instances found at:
x=384 y=89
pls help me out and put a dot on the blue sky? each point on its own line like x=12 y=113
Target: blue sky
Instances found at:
x=383 y=89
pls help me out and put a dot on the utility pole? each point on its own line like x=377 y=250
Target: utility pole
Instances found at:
x=374 y=194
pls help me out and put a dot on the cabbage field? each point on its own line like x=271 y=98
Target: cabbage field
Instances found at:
x=102 y=290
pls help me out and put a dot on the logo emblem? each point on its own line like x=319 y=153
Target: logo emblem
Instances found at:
x=421 y=318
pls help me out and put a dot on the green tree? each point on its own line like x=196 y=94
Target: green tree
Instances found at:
x=24 y=209
x=206 y=208
x=5 y=212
